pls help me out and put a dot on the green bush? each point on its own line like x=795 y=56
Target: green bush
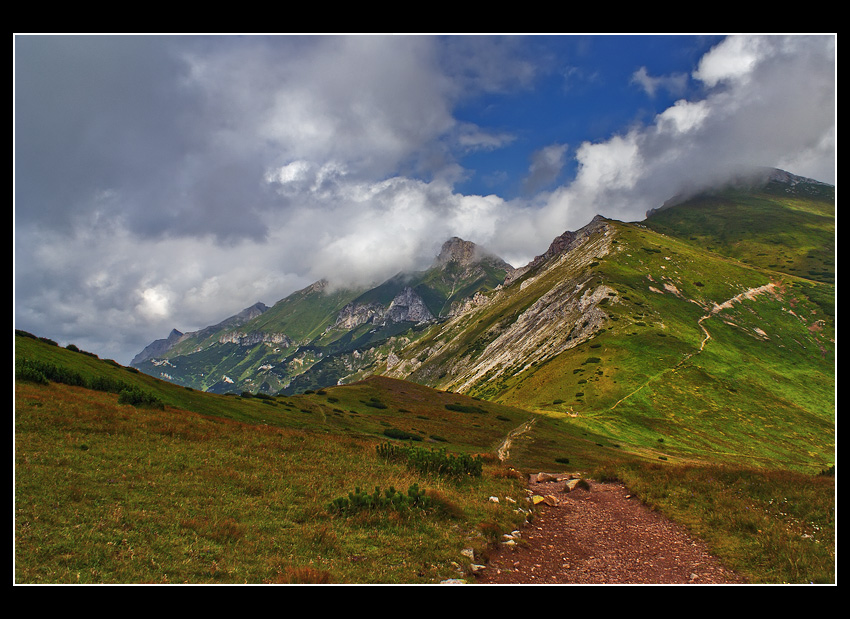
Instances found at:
x=431 y=461
x=31 y=375
x=465 y=408
x=137 y=397
x=52 y=372
x=390 y=498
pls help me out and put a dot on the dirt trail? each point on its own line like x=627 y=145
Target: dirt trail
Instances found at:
x=504 y=448
x=602 y=536
x=748 y=294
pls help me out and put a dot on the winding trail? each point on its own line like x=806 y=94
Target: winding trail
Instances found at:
x=504 y=449
x=749 y=294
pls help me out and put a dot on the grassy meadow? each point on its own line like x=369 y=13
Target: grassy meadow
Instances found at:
x=231 y=489
x=207 y=488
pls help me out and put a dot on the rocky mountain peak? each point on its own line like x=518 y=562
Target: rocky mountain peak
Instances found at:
x=458 y=250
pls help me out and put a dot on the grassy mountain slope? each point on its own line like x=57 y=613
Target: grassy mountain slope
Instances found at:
x=658 y=344
x=209 y=488
x=775 y=228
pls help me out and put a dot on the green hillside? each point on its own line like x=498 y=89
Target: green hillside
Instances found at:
x=656 y=363
x=774 y=229
x=181 y=486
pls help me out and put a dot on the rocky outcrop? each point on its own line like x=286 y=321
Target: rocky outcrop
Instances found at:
x=407 y=306
x=466 y=255
x=562 y=244
x=355 y=314
x=251 y=339
x=457 y=250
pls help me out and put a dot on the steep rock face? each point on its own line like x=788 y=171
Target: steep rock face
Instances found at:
x=253 y=338
x=355 y=314
x=407 y=306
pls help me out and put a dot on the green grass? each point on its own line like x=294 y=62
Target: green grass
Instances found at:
x=229 y=489
x=232 y=489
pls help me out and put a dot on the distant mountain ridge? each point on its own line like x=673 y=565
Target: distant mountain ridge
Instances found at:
x=312 y=324
x=474 y=324
x=161 y=347
x=754 y=179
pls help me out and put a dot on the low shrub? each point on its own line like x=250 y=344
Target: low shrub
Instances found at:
x=465 y=408
x=434 y=461
x=137 y=397
x=390 y=498
x=401 y=435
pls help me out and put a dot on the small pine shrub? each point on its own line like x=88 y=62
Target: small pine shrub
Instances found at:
x=465 y=408
x=137 y=397
x=388 y=499
x=401 y=435
x=433 y=461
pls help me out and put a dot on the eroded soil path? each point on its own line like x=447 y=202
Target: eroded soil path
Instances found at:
x=602 y=536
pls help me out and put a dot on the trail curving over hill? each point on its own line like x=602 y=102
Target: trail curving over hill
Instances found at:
x=716 y=308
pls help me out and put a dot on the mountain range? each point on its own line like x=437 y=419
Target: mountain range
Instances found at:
x=720 y=303
x=690 y=357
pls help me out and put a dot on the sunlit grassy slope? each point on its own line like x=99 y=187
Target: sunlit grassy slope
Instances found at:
x=753 y=382
x=709 y=351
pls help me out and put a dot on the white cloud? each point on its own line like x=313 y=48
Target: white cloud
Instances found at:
x=683 y=116
x=675 y=84
x=154 y=302
x=732 y=60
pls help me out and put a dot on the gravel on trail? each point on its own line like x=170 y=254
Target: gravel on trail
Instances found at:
x=602 y=535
